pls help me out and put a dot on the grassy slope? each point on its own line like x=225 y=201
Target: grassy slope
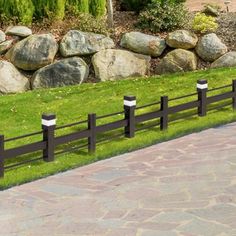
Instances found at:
x=21 y=114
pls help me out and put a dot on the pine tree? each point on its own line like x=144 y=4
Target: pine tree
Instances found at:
x=97 y=7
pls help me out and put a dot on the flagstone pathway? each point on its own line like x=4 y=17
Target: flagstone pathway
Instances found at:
x=182 y=187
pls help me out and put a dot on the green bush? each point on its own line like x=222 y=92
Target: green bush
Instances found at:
x=97 y=7
x=49 y=8
x=165 y=15
x=88 y=23
x=134 y=5
x=25 y=10
x=204 y=24
x=78 y=6
x=139 y=5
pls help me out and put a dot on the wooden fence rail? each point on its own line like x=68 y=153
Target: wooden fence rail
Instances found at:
x=129 y=122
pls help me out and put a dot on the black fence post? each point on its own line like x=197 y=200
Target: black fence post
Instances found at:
x=164 y=109
x=1 y=156
x=234 y=92
x=48 y=126
x=129 y=108
x=92 y=137
x=202 y=87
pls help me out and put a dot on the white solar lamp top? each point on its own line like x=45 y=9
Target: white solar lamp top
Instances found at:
x=129 y=101
x=48 y=120
x=202 y=84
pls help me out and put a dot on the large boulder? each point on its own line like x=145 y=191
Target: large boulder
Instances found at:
x=182 y=39
x=4 y=46
x=143 y=43
x=33 y=52
x=178 y=60
x=77 y=43
x=18 y=30
x=210 y=47
x=11 y=80
x=112 y=64
x=227 y=60
x=2 y=36
x=61 y=73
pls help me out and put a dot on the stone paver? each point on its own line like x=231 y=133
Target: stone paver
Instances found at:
x=196 y=5
x=182 y=187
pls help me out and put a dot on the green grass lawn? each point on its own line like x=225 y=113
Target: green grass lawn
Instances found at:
x=21 y=114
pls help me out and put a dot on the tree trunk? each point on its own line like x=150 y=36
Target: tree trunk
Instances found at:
x=110 y=14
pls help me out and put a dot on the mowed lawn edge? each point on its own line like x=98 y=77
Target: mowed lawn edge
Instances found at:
x=21 y=114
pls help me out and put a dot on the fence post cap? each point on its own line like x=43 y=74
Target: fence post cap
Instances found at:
x=202 y=84
x=48 y=119
x=164 y=97
x=202 y=81
x=129 y=98
x=129 y=101
x=48 y=116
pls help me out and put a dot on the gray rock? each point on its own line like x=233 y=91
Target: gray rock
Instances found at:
x=178 y=60
x=5 y=46
x=227 y=60
x=210 y=47
x=21 y=31
x=61 y=73
x=33 y=52
x=77 y=43
x=182 y=39
x=112 y=64
x=212 y=11
x=11 y=80
x=143 y=43
x=2 y=36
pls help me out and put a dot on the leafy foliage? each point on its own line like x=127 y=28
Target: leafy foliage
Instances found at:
x=97 y=7
x=204 y=24
x=89 y=23
x=134 y=5
x=22 y=9
x=165 y=15
x=25 y=10
x=139 y=5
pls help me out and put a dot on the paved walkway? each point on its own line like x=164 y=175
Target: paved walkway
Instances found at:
x=183 y=187
x=196 y=5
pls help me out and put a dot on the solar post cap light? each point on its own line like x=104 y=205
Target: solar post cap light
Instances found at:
x=202 y=87
x=129 y=101
x=49 y=125
x=48 y=120
x=129 y=107
x=202 y=84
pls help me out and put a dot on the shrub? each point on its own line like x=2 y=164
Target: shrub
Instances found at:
x=97 y=7
x=89 y=23
x=204 y=24
x=134 y=5
x=78 y=6
x=139 y=5
x=23 y=10
x=165 y=15
x=49 y=8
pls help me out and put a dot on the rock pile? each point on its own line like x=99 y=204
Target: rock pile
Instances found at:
x=54 y=64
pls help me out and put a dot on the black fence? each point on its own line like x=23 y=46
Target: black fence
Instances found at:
x=130 y=123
